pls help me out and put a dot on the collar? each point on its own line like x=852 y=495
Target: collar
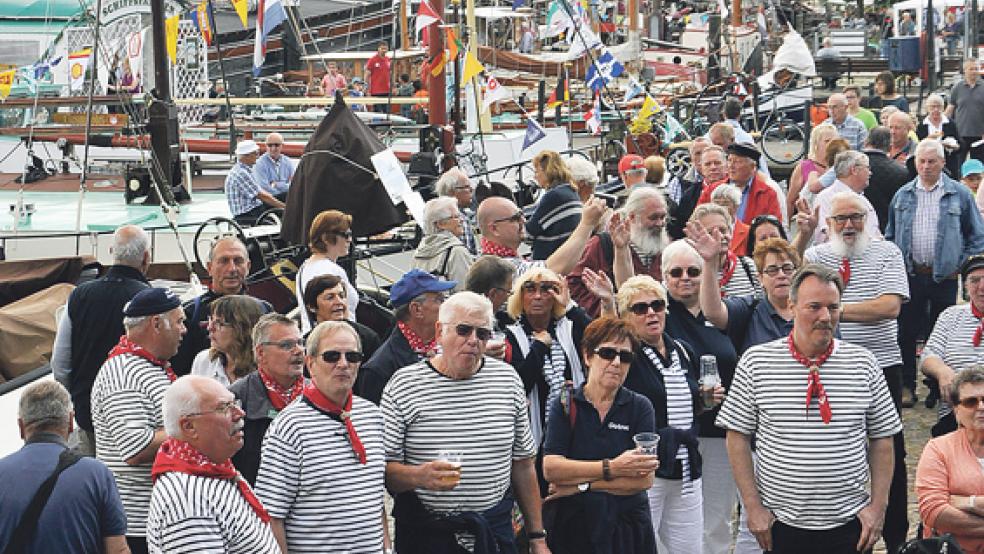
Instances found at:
x=919 y=185
x=621 y=397
x=46 y=437
x=247 y=167
x=125 y=272
x=943 y=121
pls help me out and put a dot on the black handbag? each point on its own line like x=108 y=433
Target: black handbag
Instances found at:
x=943 y=544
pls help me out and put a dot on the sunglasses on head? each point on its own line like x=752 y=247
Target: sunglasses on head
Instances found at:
x=333 y=356
x=766 y=219
x=971 y=402
x=642 y=308
x=692 y=272
x=545 y=288
x=608 y=353
x=482 y=333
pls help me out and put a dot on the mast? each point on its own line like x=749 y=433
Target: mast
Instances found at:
x=735 y=13
x=163 y=114
x=436 y=105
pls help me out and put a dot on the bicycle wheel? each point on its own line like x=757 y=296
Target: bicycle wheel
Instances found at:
x=678 y=161
x=784 y=141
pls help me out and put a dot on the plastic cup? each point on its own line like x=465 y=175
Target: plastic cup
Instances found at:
x=647 y=443
x=454 y=458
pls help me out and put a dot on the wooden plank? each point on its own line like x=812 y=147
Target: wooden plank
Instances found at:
x=104 y=119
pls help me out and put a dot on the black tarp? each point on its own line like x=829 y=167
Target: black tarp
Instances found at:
x=336 y=173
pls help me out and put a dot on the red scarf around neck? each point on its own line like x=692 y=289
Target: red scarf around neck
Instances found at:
x=320 y=401
x=279 y=396
x=728 y=271
x=980 y=324
x=496 y=249
x=813 y=384
x=427 y=349
x=179 y=456
x=127 y=346
x=845 y=270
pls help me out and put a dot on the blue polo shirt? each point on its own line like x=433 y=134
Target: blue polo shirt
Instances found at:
x=83 y=509
x=753 y=320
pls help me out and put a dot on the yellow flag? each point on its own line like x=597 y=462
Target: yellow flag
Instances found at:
x=649 y=108
x=241 y=7
x=171 y=36
x=439 y=64
x=472 y=67
x=6 y=81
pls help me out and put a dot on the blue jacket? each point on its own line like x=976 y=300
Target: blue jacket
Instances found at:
x=960 y=232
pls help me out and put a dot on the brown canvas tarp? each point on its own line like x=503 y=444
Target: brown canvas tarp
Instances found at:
x=24 y=277
x=27 y=330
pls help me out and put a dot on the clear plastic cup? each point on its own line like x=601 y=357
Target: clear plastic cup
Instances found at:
x=647 y=443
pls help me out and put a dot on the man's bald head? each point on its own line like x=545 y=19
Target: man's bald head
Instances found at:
x=131 y=247
x=493 y=208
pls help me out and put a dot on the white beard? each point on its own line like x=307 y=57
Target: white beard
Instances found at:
x=647 y=242
x=841 y=248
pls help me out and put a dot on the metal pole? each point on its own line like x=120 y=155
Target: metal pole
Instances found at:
x=456 y=110
x=93 y=65
x=163 y=115
x=930 y=46
x=218 y=51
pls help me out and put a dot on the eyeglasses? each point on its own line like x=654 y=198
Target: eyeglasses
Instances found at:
x=608 y=353
x=842 y=219
x=787 y=268
x=971 y=402
x=274 y=144
x=345 y=234
x=642 y=308
x=223 y=408
x=216 y=322
x=514 y=218
x=692 y=272
x=333 y=356
x=481 y=333
x=545 y=287
x=286 y=345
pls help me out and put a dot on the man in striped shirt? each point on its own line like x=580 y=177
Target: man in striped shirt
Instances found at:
x=200 y=503
x=806 y=492
x=127 y=396
x=457 y=436
x=875 y=287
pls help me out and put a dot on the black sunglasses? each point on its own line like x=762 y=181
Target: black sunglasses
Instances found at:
x=545 y=288
x=692 y=272
x=333 y=356
x=642 y=308
x=482 y=333
x=345 y=234
x=971 y=402
x=515 y=218
x=608 y=353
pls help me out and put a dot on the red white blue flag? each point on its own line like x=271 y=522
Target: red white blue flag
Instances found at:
x=269 y=14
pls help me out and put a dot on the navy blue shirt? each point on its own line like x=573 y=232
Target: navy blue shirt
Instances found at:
x=83 y=509
x=753 y=320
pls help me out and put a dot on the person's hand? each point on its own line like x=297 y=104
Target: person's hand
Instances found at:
x=539 y=546
x=806 y=219
x=555 y=491
x=598 y=284
x=872 y=520
x=633 y=464
x=708 y=245
x=496 y=349
x=618 y=228
x=439 y=475
x=945 y=382
x=718 y=395
x=563 y=295
x=760 y=523
x=594 y=211
x=543 y=336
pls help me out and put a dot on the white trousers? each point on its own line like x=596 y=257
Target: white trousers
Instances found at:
x=677 y=517
x=720 y=493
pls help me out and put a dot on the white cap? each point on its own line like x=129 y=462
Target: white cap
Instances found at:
x=246 y=147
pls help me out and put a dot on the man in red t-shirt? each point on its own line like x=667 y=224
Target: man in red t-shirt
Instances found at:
x=378 y=75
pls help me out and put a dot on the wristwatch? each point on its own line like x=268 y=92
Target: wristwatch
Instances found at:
x=584 y=487
x=534 y=535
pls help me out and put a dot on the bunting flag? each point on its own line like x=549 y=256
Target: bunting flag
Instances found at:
x=593 y=117
x=632 y=90
x=41 y=68
x=438 y=62
x=78 y=65
x=472 y=67
x=495 y=92
x=561 y=94
x=425 y=16
x=269 y=14
x=649 y=108
x=242 y=8
x=534 y=133
x=6 y=82
x=201 y=18
x=606 y=69
x=171 y=36
x=452 y=43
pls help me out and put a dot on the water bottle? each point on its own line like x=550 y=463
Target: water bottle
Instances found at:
x=709 y=379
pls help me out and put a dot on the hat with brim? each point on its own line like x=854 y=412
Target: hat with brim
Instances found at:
x=151 y=301
x=414 y=283
x=247 y=147
x=745 y=150
x=972 y=166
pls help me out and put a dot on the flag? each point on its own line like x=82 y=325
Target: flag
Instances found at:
x=649 y=108
x=558 y=19
x=472 y=67
x=452 y=43
x=40 y=68
x=269 y=14
x=242 y=6
x=672 y=128
x=134 y=45
x=495 y=92
x=562 y=93
x=438 y=62
x=723 y=8
x=582 y=42
x=78 y=64
x=517 y=4
x=202 y=18
x=634 y=89
x=425 y=16
x=533 y=133
x=593 y=117
x=6 y=82
x=171 y=36
x=606 y=69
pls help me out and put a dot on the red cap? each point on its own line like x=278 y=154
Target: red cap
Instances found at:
x=629 y=162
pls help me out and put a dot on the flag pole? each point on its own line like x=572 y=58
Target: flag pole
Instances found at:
x=93 y=76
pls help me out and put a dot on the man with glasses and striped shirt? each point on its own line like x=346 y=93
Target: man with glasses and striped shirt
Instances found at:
x=273 y=170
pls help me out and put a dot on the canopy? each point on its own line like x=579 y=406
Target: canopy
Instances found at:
x=41 y=9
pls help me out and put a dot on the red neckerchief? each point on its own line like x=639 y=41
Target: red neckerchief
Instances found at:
x=279 y=396
x=980 y=325
x=813 y=384
x=181 y=457
x=127 y=346
x=417 y=344
x=320 y=401
x=728 y=271
x=496 y=249
x=845 y=270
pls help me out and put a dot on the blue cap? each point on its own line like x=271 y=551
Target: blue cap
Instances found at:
x=151 y=301
x=971 y=167
x=413 y=284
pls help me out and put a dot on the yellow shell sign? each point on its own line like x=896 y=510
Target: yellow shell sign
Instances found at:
x=77 y=70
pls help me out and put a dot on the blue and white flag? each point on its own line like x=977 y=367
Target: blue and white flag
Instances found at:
x=606 y=69
x=269 y=14
x=533 y=133
x=634 y=89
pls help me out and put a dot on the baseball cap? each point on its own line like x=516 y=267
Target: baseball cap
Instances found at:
x=971 y=166
x=630 y=162
x=151 y=301
x=414 y=283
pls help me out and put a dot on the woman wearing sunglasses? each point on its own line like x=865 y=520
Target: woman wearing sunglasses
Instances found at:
x=230 y=325
x=329 y=238
x=949 y=476
x=598 y=478
x=664 y=370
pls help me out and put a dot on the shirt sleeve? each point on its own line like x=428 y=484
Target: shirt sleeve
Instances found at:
x=881 y=417
x=932 y=484
x=394 y=425
x=61 y=352
x=205 y=533
x=130 y=421
x=278 y=479
x=936 y=344
x=740 y=411
x=739 y=315
x=828 y=178
x=558 y=430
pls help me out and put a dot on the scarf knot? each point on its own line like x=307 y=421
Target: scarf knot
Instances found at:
x=424 y=348
x=127 y=346
x=318 y=400
x=813 y=384
x=280 y=396
x=980 y=323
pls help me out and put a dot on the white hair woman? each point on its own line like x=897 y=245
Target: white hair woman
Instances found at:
x=442 y=252
x=584 y=175
x=936 y=125
x=729 y=198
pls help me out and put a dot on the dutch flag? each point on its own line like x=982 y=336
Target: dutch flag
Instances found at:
x=269 y=14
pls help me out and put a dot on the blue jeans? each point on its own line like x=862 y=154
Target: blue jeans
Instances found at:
x=927 y=299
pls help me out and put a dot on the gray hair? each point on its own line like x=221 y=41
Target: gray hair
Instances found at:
x=465 y=301
x=821 y=272
x=880 y=138
x=713 y=148
x=727 y=192
x=701 y=140
x=180 y=399
x=215 y=244
x=849 y=196
x=582 y=171
x=130 y=243
x=261 y=331
x=133 y=322
x=930 y=145
x=437 y=210
x=638 y=197
x=847 y=160
x=326 y=329
x=704 y=210
x=935 y=99
x=449 y=180
x=969 y=376
x=679 y=248
x=47 y=403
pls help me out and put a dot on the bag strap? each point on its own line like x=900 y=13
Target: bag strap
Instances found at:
x=444 y=266
x=28 y=525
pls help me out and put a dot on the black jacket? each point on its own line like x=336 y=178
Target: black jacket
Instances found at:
x=887 y=177
x=393 y=354
x=96 y=312
x=251 y=391
x=952 y=156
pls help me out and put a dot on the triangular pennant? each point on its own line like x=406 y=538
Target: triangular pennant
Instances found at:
x=78 y=65
x=425 y=16
x=242 y=9
x=472 y=67
x=495 y=92
x=171 y=36
x=533 y=133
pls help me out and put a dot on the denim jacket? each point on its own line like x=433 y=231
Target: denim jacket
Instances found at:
x=960 y=232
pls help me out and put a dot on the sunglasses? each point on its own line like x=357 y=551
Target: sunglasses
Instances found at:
x=345 y=234
x=333 y=356
x=760 y=219
x=642 y=308
x=545 y=288
x=608 y=353
x=286 y=345
x=971 y=402
x=773 y=270
x=465 y=331
x=692 y=272
x=515 y=218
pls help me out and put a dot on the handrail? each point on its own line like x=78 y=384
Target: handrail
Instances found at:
x=25 y=379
